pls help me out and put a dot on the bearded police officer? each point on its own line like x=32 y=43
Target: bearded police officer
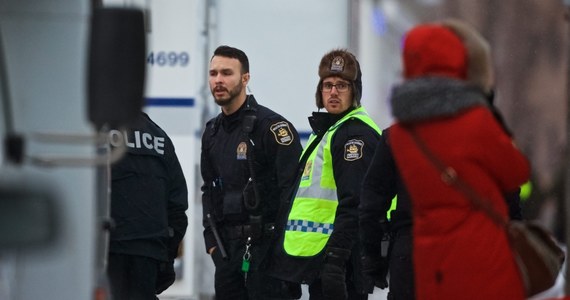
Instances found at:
x=319 y=243
x=149 y=198
x=248 y=159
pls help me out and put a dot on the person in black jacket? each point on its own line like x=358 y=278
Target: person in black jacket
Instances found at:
x=149 y=198
x=383 y=217
x=248 y=160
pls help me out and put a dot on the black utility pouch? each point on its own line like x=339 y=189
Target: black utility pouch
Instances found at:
x=233 y=203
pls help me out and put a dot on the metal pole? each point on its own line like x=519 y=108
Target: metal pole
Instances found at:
x=567 y=158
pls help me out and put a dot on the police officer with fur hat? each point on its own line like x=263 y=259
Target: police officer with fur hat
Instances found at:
x=319 y=230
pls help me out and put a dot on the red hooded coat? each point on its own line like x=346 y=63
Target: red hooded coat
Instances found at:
x=459 y=253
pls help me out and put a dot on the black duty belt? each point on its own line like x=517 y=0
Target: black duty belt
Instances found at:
x=235 y=232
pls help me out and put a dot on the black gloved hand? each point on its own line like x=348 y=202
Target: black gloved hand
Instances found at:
x=333 y=274
x=376 y=268
x=165 y=277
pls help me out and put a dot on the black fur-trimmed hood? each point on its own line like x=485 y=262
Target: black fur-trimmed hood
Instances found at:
x=431 y=97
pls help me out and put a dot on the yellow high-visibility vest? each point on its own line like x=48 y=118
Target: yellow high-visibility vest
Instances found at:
x=526 y=190
x=311 y=219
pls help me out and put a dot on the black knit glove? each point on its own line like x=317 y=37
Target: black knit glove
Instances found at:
x=376 y=268
x=333 y=274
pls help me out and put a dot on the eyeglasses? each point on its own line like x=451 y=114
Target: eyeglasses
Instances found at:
x=340 y=87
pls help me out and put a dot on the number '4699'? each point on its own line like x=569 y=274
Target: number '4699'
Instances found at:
x=168 y=59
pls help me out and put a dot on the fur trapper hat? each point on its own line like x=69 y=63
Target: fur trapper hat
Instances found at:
x=340 y=62
x=451 y=48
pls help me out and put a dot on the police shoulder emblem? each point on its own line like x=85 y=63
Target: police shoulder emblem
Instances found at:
x=353 y=150
x=282 y=133
x=337 y=64
x=241 y=151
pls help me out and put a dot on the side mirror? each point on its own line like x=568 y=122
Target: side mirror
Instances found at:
x=28 y=216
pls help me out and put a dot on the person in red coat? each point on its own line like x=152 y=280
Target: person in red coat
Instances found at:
x=458 y=251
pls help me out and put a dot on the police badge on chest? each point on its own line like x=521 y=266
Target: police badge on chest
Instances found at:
x=241 y=151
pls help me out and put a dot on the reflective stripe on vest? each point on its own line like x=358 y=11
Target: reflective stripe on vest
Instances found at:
x=311 y=219
x=392 y=208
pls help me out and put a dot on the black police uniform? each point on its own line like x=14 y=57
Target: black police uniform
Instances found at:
x=149 y=198
x=348 y=178
x=252 y=141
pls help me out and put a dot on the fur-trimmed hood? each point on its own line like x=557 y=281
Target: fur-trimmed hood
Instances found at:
x=431 y=97
x=450 y=48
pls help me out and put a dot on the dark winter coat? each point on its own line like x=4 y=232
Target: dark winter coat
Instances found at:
x=149 y=195
x=225 y=166
x=348 y=177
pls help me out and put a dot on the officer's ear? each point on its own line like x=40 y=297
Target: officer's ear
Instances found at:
x=245 y=78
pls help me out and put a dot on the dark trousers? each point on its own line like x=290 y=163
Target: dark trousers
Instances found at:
x=132 y=277
x=401 y=266
x=232 y=284
x=316 y=291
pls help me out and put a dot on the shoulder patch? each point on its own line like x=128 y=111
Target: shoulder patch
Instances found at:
x=282 y=133
x=353 y=150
